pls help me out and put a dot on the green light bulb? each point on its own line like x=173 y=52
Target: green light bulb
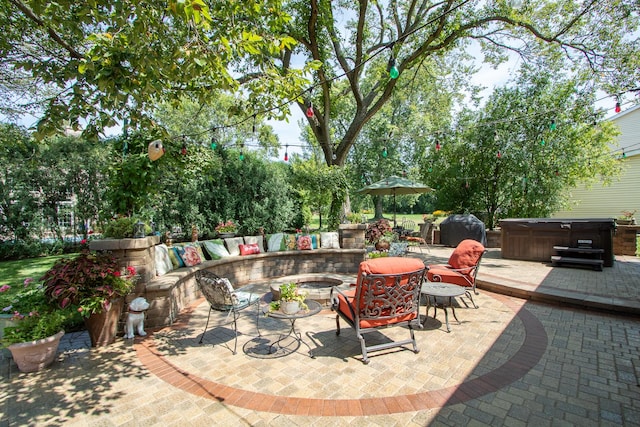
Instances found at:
x=393 y=70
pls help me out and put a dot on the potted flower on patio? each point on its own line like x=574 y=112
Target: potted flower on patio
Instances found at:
x=227 y=229
x=291 y=299
x=94 y=285
x=36 y=328
x=380 y=234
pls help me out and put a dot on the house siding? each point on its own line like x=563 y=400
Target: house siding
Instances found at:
x=623 y=194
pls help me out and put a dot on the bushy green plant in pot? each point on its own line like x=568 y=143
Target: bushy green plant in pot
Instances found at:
x=291 y=299
x=94 y=285
x=37 y=326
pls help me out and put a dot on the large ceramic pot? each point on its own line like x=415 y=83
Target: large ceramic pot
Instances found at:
x=103 y=327
x=35 y=355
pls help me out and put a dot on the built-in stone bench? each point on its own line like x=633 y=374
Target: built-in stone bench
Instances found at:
x=170 y=293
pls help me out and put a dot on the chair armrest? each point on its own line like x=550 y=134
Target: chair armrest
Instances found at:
x=335 y=303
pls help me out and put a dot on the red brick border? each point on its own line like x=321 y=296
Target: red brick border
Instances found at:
x=534 y=346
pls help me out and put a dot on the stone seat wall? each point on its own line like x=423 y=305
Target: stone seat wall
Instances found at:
x=172 y=292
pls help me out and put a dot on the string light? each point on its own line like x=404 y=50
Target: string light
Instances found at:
x=310 y=110
x=542 y=142
x=184 y=149
x=552 y=126
x=438 y=146
x=499 y=155
x=618 y=108
x=385 y=153
x=286 y=153
x=392 y=69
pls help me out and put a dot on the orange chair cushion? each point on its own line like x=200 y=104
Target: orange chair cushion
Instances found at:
x=466 y=254
x=447 y=275
x=349 y=301
x=387 y=265
x=390 y=265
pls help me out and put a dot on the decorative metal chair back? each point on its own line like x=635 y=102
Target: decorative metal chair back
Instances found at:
x=381 y=300
x=218 y=291
x=386 y=298
x=221 y=296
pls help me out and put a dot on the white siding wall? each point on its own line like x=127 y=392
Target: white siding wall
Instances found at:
x=622 y=195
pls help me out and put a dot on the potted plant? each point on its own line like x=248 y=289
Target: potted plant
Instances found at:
x=379 y=234
x=227 y=229
x=626 y=218
x=36 y=328
x=94 y=285
x=291 y=299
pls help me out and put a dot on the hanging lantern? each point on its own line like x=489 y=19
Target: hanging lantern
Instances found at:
x=138 y=230
x=155 y=150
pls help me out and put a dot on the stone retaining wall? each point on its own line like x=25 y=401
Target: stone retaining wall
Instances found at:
x=169 y=294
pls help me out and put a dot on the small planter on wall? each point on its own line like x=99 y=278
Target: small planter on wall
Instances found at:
x=631 y=221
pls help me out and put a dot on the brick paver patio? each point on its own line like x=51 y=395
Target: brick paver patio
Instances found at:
x=513 y=361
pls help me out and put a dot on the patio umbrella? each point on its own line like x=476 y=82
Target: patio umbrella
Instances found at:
x=395 y=185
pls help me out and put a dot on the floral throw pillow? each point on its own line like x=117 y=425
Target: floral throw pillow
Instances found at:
x=190 y=256
x=249 y=249
x=304 y=243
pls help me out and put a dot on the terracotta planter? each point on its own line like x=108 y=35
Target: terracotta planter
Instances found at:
x=383 y=245
x=103 y=327
x=35 y=355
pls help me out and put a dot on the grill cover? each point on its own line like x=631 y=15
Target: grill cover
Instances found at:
x=455 y=228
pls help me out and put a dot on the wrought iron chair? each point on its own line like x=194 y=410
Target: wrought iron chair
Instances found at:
x=461 y=269
x=387 y=293
x=221 y=296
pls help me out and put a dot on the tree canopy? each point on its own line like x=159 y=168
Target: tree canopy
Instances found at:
x=98 y=63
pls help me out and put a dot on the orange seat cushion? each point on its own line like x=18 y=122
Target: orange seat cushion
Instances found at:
x=349 y=301
x=440 y=273
x=467 y=254
x=387 y=265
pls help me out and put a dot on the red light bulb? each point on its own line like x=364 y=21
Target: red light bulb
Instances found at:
x=499 y=155
x=618 y=109
x=310 y=111
x=286 y=156
x=184 y=150
x=438 y=146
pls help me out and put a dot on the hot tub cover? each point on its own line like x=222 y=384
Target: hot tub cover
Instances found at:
x=455 y=228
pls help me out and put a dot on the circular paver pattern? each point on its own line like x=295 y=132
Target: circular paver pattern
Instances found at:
x=492 y=347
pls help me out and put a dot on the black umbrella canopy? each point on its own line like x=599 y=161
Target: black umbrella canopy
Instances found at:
x=395 y=185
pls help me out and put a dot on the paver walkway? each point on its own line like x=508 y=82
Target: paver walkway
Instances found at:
x=513 y=361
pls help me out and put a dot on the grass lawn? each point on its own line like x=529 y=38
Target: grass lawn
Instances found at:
x=14 y=272
x=417 y=218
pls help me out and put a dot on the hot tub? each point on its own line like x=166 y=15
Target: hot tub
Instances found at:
x=533 y=239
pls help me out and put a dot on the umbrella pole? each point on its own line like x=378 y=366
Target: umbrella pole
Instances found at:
x=395 y=224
